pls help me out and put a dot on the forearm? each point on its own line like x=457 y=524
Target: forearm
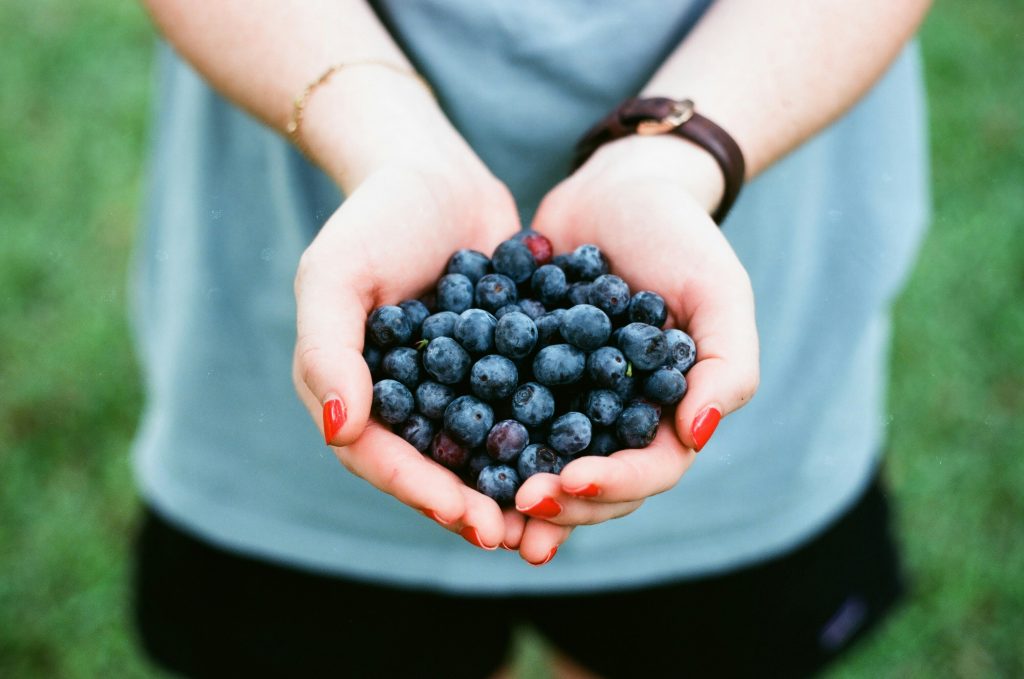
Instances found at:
x=262 y=53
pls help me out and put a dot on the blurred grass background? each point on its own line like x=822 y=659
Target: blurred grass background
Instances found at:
x=75 y=89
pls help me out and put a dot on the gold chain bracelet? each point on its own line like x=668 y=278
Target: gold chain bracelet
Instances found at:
x=299 y=105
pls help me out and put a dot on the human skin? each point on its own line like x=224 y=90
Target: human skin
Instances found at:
x=772 y=74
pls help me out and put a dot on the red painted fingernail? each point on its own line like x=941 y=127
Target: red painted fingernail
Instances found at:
x=704 y=426
x=551 y=555
x=545 y=509
x=334 y=418
x=432 y=515
x=590 y=490
x=472 y=537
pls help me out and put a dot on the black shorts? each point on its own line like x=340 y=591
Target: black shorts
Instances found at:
x=202 y=611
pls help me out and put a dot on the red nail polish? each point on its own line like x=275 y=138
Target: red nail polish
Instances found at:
x=589 y=490
x=704 y=426
x=432 y=515
x=472 y=537
x=334 y=418
x=545 y=509
x=550 y=556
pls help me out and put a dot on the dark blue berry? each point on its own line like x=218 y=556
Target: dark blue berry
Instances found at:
x=506 y=440
x=579 y=293
x=644 y=346
x=587 y=262
x=469 y=263
x=533 y=404
x=570 y=433
x=603 y=442
x=392 y=401
x=468 y=420
x=389 y=326
x=447 y=451
x=515 y=335
x=610 y=294
x=498 y=482
x=476 y=465
x=441 y=324
x=493 y=377
x=648 y=307
x=562 y=262
x=637 y=425
x=514 y=260
x=606 y=366
x=682 y=350
x=625 y=388
x=665 y=386
x=507 y=309
x=475 y=331
x=537 y=458
x=559 y=364
x=446 y=360
x=548 y=327
x=586 y=327
x=494 y=291
x=416 y=311
x=373 y=355
x=454 y=293
x=532 y=308
x=549 y=284
x=432 y=398
x=603 y=407
x=402 y=364
x=418 y=431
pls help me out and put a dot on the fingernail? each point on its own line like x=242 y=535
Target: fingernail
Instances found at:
x=704 y=426
x=545 y=509
x=334 y=418
x=504 y=546
x=550 y=556
x=432 y=515
x=473 y=538
x=589 y=490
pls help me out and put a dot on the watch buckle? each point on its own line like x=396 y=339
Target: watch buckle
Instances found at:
x=680 y=113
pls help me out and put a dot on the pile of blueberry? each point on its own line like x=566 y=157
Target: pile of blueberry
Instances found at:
x=522 y=362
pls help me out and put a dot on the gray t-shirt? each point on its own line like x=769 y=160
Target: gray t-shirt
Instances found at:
x=827 y=235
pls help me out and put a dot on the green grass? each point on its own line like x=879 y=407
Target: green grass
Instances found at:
x=76 y=91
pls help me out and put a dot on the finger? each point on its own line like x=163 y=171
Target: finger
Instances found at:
x=482 y=524
x=515 y=524
x=541 y=540
x=389 y=463
x=542 y=497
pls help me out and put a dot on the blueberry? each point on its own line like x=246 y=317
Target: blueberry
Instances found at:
x=587 y=262
x=418 y=431
x=476 y=465
x=644 y=346
x=507 y=309
x=402 y=364
x=446 y=360
x=432 y=398
x=493 y=377
x=538 y=244
x=549 y=284
x=475 y=331
x=416 y=311
x=441 y=324
x=570 y=433
x=603 y=442
x=606 y=366
x=447 y=451
x=454 y=293
x=514 y=260
x=610 y=294
x=506 y=440
x=494 y=291
x=537 y=458
x=373 y=355
x=468 y=420
x=682 y=350
x=648 y=307
x=603 y=406
x=515 y=335
x=578 y=293
x=389 y=326
x=559 y=364
x=469 y=263
x=498 y=482
x=665 y=386
x=533 y=404
x=548 y=327
x=637 y=425
x=392 y=401
x=625 y=388
x=562 y=262
x=586 y=327
x=532 y=308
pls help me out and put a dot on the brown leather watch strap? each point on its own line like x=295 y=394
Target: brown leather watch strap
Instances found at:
x=660 y=115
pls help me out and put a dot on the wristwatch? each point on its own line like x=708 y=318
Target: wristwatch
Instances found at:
x=661 y=115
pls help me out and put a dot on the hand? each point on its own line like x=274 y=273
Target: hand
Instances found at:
x=645 y=202
x=387 y=243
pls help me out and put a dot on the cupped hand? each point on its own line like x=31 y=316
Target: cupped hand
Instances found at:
x=645 y=202
x=388 y=242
